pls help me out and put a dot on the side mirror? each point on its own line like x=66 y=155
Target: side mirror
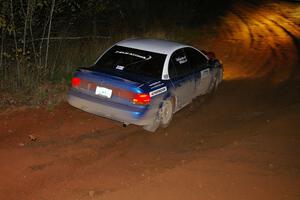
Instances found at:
x=211 y=55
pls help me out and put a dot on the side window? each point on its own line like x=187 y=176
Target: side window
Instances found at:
x=178 y=65
x=196 y=59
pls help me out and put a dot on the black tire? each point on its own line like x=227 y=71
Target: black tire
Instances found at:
x=153 y=126
x=214 y=84
x=166 y=113
x=163 y=119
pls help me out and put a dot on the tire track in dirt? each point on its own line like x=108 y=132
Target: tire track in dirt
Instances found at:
x=295 y=74
x=75 y=156
x=258 y=43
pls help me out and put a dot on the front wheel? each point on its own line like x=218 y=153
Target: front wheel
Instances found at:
x=214 y=83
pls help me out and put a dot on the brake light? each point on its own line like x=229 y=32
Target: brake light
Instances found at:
x=143 y=99
x=75 y=82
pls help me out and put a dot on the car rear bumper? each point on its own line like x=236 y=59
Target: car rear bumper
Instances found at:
x=122 y=113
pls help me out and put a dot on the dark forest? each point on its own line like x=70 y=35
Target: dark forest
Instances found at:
x=42 y=41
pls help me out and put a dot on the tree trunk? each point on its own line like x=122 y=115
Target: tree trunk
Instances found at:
x=49 y=31
x=25 y=24
x=42 y=41
x=2 y=48
x=2 y=67
x=15 y=41
x=31 y=8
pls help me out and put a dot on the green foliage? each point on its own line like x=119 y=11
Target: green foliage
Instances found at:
x=3 y=22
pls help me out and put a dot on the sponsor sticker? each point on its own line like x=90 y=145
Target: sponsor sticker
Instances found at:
x=158 y=91
x=134 y=54
x=156 y=86
x=119 y=67
x=204 y=73
x=155 y=83
x=181 y=60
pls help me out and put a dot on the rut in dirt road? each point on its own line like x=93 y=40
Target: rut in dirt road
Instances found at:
x=259 y=42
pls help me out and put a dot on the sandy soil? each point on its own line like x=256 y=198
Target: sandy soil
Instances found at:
x=241 y=143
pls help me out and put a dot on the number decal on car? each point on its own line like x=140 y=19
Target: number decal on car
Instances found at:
x=204 y=73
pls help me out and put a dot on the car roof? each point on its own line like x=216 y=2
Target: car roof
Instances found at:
x=153 y=45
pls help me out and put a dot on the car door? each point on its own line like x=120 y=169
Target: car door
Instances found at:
x=182 y=78
x=199 y=63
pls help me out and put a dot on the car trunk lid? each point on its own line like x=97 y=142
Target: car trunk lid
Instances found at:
x=107 y=87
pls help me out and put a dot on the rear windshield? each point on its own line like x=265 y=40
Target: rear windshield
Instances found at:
x=123 y=60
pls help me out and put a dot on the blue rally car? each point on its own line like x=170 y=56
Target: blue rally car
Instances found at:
x=144 y=81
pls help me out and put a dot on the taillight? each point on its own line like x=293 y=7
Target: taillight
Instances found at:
x=75 y=82
x=143 y=99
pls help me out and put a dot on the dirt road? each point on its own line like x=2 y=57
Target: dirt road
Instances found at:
x=243 y=143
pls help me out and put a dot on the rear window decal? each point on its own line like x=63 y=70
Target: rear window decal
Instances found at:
x=134 y=54
x=158 y=91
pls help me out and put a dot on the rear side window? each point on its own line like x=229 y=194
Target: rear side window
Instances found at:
x=196 y=59
x=123 y=60
x=178 y=65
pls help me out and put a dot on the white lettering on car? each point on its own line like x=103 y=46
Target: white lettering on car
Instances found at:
x=158 y=91
x=134 y=54
x=181 y=60
x=156 y=86
x=157 y=82
x=119 y=67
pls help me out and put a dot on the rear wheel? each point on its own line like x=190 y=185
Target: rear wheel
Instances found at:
x=166 y=113
x=153 y=126
x=163 y=119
